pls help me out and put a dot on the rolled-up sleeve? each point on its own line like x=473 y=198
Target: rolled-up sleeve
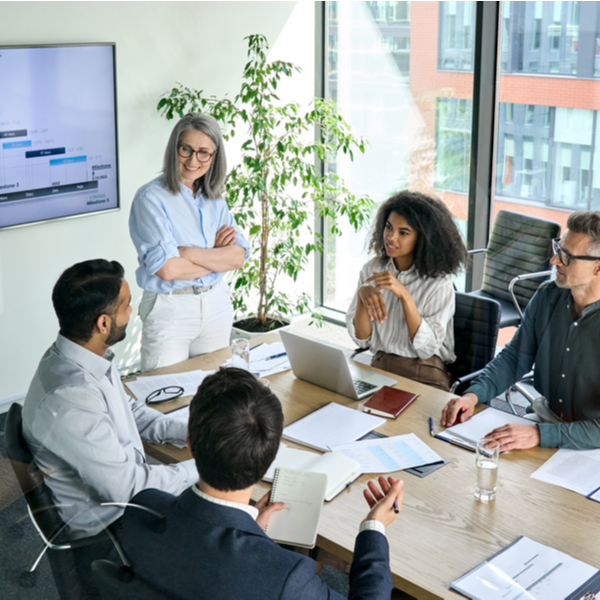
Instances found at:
x=240 y=240
x=435 y=313
x=152 y=233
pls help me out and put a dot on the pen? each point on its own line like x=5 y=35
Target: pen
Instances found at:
x=271 y=357
x=396 y=509
x=431 y=431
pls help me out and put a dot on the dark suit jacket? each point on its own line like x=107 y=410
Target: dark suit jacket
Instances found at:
x=204 y=550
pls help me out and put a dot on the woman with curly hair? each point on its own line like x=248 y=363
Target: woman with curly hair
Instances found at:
x=404 y=303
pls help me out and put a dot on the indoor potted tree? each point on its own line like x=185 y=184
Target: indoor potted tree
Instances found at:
x=279 y=186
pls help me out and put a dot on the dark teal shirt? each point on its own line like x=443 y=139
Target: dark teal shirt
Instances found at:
x=566 y=354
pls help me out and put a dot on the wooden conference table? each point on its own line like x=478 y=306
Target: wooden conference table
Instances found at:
x=442 y=531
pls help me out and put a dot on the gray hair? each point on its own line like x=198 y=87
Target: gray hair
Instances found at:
x=588 y=223
x=211 y=184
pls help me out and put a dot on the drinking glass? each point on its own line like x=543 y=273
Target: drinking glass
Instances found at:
x=487 y=454
x=240 y=353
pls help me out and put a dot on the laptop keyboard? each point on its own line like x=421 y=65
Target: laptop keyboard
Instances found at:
x=362 y=386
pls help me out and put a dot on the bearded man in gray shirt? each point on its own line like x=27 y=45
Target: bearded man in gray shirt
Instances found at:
x=84 y=432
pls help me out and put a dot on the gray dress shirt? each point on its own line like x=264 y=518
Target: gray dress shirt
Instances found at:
x=565 y=349
x=86 y=436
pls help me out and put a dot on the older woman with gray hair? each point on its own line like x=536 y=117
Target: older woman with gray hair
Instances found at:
x=186 y=241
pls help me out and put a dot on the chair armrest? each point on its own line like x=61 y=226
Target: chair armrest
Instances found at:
x=523 y=277
x=462 y=381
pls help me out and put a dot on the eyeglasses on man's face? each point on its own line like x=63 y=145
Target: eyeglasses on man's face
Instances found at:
x=202 y=155
x=564 y=257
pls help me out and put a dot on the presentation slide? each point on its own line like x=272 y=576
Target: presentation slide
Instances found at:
x=58 y=154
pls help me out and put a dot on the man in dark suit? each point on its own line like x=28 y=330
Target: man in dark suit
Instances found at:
x=209 y=543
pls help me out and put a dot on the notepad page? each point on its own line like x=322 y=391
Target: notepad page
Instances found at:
x=329 y=425
x=303 y=493
x=479 y=425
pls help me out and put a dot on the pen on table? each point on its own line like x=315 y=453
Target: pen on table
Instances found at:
x=271 y=357
x=396 y=509
x=431 y=431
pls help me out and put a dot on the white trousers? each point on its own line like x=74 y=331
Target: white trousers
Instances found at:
x=175 y=328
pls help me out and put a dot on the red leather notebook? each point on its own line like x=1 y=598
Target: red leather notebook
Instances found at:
x=389 y=402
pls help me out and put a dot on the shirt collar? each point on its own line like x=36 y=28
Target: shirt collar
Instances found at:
x=251 y=510
x=98 y=366
x=391 y=267
x=590 y=308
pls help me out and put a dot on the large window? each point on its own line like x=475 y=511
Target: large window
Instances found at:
x=382 y=70
x=416 y=108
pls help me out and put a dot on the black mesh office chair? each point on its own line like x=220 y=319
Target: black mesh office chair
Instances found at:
x=476 y=323
x=517 y=260
x=43 y=512
x=121 y=583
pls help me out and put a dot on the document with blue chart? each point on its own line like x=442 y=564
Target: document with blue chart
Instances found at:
x=385 y=455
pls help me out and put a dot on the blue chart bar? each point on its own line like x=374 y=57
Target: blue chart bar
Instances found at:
x=67 y=161
x=384 y=458
x=410 y=454
x=15 y=145
x=45 y=152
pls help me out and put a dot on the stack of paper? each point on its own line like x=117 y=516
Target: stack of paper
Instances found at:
x=142 y=387
x=267 y=359
x=385 y=455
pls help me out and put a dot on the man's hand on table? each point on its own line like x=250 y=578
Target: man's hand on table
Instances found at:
x=458 y=410
x=516 y=437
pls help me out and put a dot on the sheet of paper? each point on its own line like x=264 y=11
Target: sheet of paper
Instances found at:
x=330 y=425
x=142 y=387
x=577 y=470
x=265 y=359
x=389 y=454
x=526 y=570
x=364 y=357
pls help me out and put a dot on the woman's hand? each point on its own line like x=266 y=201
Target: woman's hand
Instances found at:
x=225 y=237
x=373 y=302
x=386 y=281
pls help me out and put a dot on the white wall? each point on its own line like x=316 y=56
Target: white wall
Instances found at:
x=158 y=43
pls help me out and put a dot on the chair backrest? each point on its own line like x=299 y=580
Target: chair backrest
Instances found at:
x=120 y=583
x=519 y=244
x=37 y=494
x=476 y=322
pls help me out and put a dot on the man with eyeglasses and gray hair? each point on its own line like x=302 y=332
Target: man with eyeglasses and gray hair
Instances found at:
x=560 y=335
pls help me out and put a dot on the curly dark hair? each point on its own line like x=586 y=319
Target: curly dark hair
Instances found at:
x=439 y=249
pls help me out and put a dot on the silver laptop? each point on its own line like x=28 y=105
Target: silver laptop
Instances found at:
x=327 y=366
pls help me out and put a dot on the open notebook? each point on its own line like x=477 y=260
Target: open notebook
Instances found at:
x=341 y=470
x=467 y=434
x=303 y=493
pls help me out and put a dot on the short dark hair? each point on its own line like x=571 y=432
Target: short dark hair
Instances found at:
x=588 y=223
x=212 y=183
x=439 y=249
x=234 y=428
x=83 y=293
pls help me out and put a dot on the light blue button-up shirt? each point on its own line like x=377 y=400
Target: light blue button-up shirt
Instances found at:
x=161 y=221
x=86 y=436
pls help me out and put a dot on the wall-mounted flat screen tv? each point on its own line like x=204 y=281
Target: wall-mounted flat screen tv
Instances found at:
x=58 y=132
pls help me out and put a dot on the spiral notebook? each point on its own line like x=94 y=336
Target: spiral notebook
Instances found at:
x=303 y=493
x=467 y=434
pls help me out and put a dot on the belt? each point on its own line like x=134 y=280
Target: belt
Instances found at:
x=191 y=289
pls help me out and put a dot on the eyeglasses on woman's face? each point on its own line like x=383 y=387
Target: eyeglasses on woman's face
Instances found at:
x=202 y=155
x=566 y=258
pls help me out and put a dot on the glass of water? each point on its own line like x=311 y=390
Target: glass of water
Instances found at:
x=487 y=455
x=240 y=353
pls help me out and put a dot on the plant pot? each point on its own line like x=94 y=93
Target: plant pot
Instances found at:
x=245 y=328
